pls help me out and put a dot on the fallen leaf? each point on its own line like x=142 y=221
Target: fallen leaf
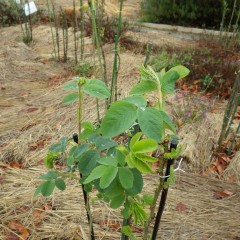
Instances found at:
x=181 y=207
x=229 y=193
x=110 y=224
x=15 y=165
x=232 y=178
x=179 y=122
x=38 y=144
x=20 y=229
x=222 y=194
x=32 y=109
x=214 y=110
x=40 y=213
x=197 y=81
x=26 y=127
x=12 y=236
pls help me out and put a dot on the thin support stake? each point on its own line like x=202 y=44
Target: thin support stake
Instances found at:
x=164 y=194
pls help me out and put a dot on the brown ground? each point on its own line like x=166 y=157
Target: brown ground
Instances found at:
x=32 y=117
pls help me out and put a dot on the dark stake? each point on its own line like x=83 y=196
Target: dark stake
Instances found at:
x=173 y=145
x=85 y=196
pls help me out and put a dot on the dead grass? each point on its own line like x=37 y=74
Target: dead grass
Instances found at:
x=204 y=216
x=200 y=139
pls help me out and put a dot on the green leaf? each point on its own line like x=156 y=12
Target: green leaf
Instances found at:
x=108 y=176
x=181 y=70
x=70 y=160
x=143 y=87
x=168 y=122
x=129 y=160
x=108 y=161
x=119 y=117
x=142 y=166
x=117 y=201
x=71 y=85
x=88 y=125
x=137 y=182
x=47 y=188
x=148 y=199
x=72 y=150
x=139 y=215
x=138 y=101
x=125 y=177
x=59 y=147
x=38 y=190
x=123 y=149
x=174 y=153
x=120 y=157
x=48 y=176
x=104 y=143
x=89 y=129
x=146 y=158
x=60 y=184
x=88 y=187
x=134 y=139
x=148 y=74
x=88 y=161
x=126 y=211
x=168 y=82
x=114 y=189
x=151 y=123
x=95 y=174
x=144 y=146
x=80 y=150
x=96 y=88
x=70 y=98
x=49 y=159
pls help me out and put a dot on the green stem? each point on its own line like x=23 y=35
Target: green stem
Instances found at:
x=233 y=10
x=81 y=29
x=227 y=113
x=116 y=55
x=75 y=31
x=235 y=135
x=96 y=36
x=80 y=104
x=56 y=30
x=233 y=115
x=85 y=194
x=148 y=53
x=53 y=40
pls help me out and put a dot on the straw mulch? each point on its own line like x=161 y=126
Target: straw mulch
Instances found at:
x=25 y=137
x=193 y=210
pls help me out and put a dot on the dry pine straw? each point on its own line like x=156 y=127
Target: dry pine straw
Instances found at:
x=202 y=216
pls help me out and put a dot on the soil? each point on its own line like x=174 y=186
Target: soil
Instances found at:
x=32 y=117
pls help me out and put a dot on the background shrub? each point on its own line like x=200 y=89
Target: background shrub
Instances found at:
x=197 y=13
x=10 y=13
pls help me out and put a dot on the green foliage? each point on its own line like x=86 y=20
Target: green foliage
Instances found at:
x=119 y=117
x=84 y=69
x=49 y=159
x=168 y=60
x=93 y=87
x=115 y=170
x=200 y=13
x=10 y=13
x=175 y=153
